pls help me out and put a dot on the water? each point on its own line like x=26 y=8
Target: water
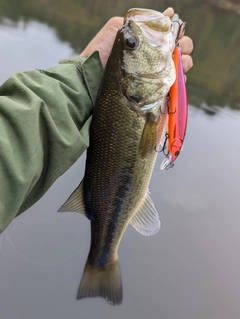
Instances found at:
x=190 y=269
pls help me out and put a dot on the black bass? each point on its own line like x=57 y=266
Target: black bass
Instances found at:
x=125 y=132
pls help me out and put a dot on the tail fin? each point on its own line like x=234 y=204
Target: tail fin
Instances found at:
x=102 y=282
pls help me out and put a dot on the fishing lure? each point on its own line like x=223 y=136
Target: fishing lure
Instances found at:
x=178 y=113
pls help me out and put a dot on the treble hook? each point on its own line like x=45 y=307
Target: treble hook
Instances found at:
x=164 y=146
x=183 y=24
x=168 y=106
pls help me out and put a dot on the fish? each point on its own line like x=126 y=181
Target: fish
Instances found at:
x=125 y=131
x=178 y=113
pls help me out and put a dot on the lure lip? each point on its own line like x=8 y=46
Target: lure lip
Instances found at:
x=166 y=163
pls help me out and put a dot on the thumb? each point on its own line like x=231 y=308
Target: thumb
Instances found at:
x=169 y=12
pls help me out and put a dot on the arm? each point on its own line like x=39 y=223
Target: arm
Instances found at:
x=44 y=124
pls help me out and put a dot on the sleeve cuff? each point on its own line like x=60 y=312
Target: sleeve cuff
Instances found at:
x=89 y=67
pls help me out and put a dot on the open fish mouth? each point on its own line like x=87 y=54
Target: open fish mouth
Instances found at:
x=154 y=18
x=154 y=26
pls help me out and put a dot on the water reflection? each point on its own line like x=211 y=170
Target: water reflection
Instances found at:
x=188 y=270
x=27 y=46
x=216 y=35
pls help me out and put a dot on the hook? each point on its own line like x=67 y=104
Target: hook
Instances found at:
x=168 y=106
x=169 y=112
x=164 y=146
x=183 y=24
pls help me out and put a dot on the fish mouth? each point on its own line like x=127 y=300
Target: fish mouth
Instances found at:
x=154 y=25
x=155 y=19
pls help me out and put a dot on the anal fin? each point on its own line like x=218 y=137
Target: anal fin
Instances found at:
x=75 y=202
x=146 y=221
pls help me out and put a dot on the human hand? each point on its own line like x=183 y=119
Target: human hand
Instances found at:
x=185 y=43
x=103 y=41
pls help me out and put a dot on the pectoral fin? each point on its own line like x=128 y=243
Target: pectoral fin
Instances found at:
x=149 y=137
x=75 y=202
x=146 y=221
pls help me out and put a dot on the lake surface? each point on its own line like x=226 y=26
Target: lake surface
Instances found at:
x=190 y=269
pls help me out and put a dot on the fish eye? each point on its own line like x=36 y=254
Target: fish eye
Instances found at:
x=131 y=43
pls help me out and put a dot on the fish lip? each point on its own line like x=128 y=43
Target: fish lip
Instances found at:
x=154 y=25
x=175 y=17
x=142 y=15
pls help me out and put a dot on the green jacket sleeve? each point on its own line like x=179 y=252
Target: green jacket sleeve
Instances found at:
x=44 y=128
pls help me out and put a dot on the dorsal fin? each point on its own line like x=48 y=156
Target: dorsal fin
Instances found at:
x=146 y=221
x=75 y=202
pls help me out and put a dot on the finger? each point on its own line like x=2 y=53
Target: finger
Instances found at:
x=186 y=45
x=187 y=63
x=114 y=23
x=169 y=12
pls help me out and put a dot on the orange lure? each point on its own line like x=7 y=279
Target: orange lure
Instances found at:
x=178 y=113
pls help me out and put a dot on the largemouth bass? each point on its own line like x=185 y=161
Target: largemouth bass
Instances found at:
x=125 y=132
